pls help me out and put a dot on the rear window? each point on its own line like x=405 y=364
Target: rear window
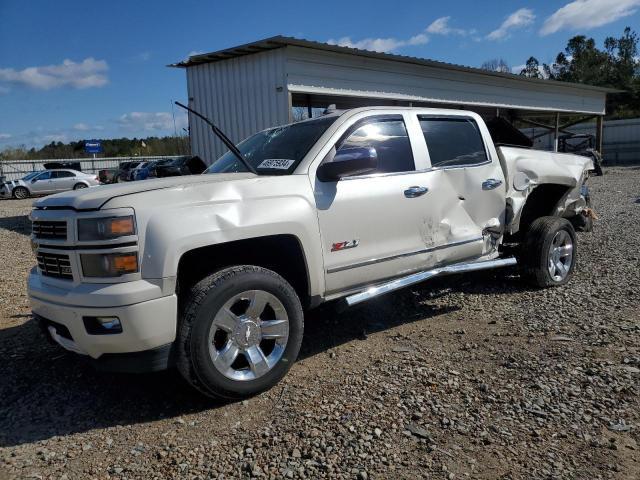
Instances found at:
x=453 y=142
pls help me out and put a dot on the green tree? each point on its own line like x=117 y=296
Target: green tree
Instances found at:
x=532 y=69
x=615 y=66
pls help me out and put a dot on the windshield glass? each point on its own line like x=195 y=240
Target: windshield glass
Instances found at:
x=274 y=151
x=31 y=175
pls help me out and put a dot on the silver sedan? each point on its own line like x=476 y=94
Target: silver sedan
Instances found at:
x=47 y=182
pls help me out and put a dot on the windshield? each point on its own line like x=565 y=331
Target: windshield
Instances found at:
x=275 y=151
x=31 y=175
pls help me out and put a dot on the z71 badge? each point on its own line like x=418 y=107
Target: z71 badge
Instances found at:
x=336 y=247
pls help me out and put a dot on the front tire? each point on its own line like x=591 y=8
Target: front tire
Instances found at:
x=20 y=193
x=549 y=253
x=240 y=332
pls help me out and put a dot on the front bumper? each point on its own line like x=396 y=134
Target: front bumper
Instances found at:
x=148 y=319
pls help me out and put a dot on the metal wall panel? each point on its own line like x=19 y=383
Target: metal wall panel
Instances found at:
x=620 y=139
x=241 y=95
x=331 y=73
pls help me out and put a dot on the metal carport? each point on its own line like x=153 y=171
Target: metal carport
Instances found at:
x=248 y=88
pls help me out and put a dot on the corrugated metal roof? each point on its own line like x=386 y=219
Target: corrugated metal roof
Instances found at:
x=280 y=41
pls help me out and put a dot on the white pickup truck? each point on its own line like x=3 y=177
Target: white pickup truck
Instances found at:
x=211 y=273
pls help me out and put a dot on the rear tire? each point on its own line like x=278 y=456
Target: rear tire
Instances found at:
x=549 y=253
x=222 y=349
x=20 y=193
x=79 y=186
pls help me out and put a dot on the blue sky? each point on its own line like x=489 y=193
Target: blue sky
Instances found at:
x=82 y=69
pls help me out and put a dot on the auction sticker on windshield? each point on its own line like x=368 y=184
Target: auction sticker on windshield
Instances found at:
x=277 y=163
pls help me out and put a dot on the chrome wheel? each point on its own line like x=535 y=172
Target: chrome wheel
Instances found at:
x=20 y=193
x=248 y=335
x=560 y=256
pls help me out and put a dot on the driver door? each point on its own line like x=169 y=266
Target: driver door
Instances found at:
x=43 y=183
x=371 y=224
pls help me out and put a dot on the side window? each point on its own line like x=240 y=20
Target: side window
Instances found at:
x=453 y=141
x=63 y=174
x=389 y=138
x=44 y=176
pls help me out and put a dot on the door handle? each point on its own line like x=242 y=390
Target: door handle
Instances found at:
x=413 y=192
x=491 y=183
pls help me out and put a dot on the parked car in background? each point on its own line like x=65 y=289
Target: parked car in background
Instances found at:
x=108 y=175
x=149 y=169
x=136 y=172
x=187 y=165
x=63 y=165
x=124 y=171
x=47 y=182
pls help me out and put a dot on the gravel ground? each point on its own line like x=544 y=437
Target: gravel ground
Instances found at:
x=476 y=376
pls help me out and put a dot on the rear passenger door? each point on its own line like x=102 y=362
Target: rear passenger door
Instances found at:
x=63 y=180
x=465 y=170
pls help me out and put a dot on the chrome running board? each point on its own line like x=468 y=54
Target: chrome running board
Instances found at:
x=398 y=283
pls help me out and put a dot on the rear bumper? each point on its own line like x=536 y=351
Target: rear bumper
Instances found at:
x=146 y=325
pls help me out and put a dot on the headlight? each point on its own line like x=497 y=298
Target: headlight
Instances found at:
x=109 y=264
x=105 y=228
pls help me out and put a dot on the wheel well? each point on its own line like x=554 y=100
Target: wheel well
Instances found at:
x=282 y=254
x=540 y=203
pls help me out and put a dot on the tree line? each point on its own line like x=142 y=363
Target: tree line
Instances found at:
x=113 y=147
x=615 y=65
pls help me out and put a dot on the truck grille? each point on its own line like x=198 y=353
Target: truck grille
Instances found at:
x=50 y=230
x=55 y=265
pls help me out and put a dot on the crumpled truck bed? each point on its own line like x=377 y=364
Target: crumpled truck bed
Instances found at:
x=525 y=169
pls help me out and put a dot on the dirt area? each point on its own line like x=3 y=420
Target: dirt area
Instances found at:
x=475 y=376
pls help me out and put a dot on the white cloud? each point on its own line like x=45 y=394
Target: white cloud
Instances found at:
x=380 y=44
x=518 y=19
x=83 y=127
x=441 y=26
x=151 y=121
x=582 y=14
x=86 y=74
x=5 y=136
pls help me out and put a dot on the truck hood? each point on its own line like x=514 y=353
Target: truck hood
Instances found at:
x=93 y=198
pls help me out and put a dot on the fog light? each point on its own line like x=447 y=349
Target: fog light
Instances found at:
x=102 y=325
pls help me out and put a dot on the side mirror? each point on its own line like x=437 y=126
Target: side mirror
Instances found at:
x=34 y=180
x=347 y=162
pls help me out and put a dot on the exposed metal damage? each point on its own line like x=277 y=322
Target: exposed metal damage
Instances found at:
x=526 y=169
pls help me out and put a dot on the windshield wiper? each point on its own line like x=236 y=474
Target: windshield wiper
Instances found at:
x=228 y=143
